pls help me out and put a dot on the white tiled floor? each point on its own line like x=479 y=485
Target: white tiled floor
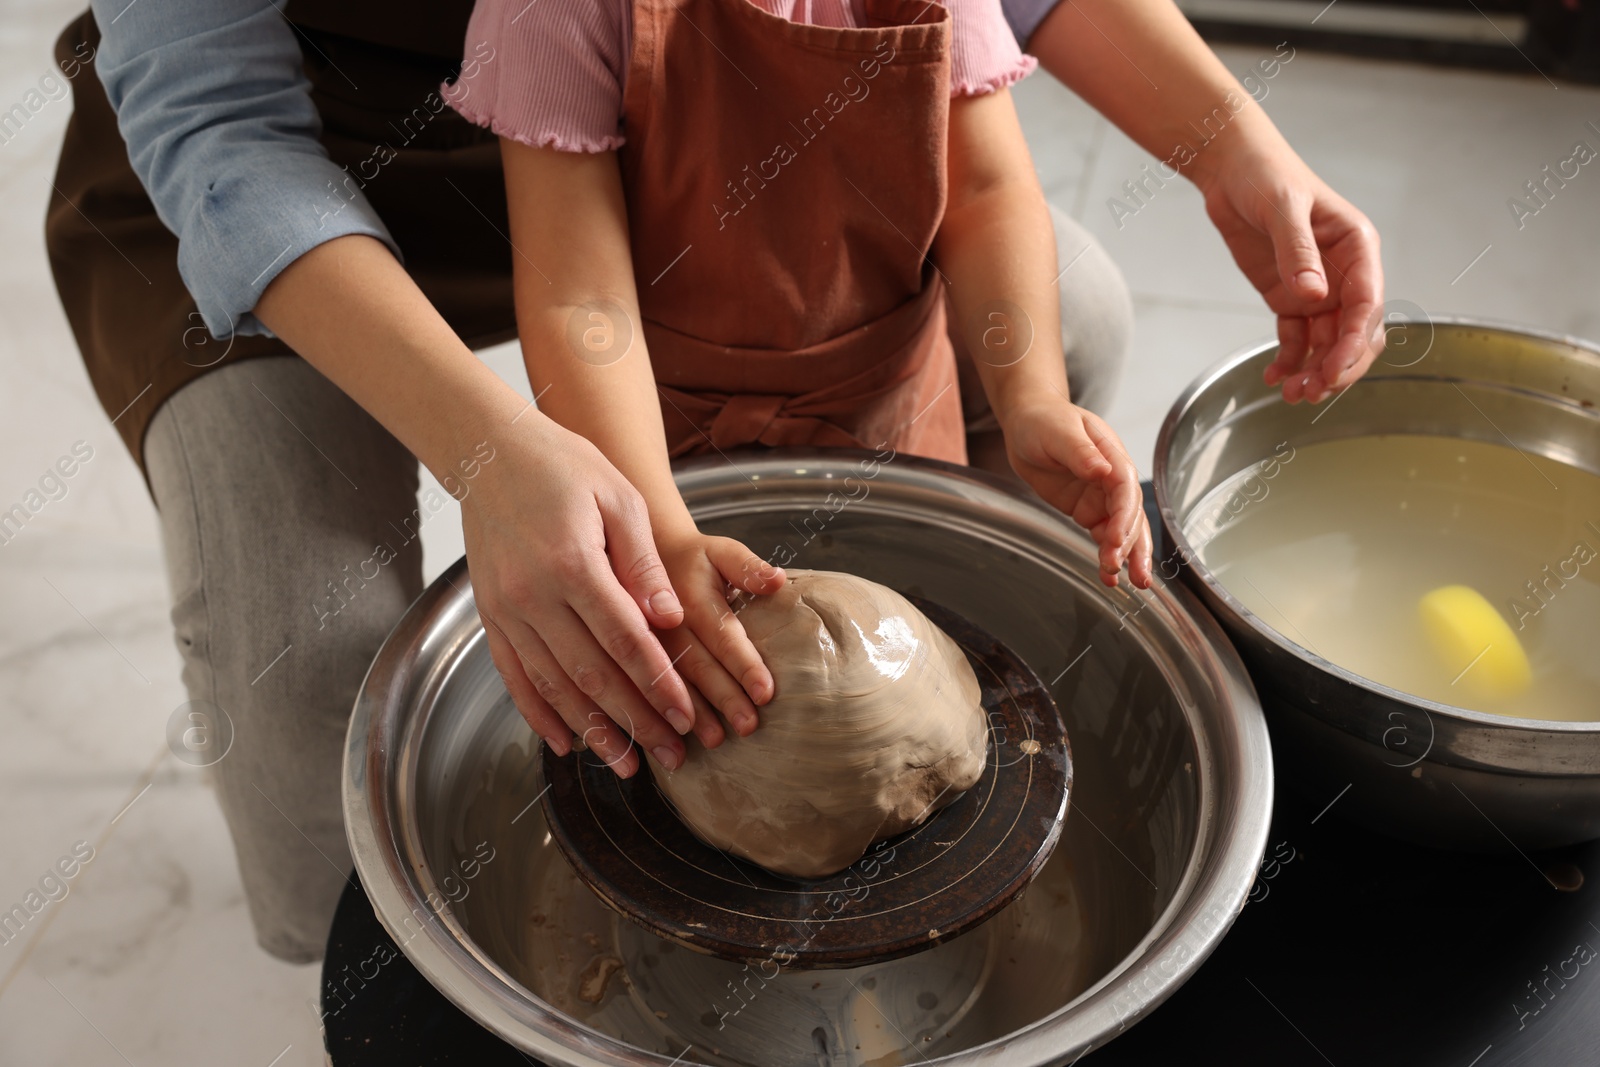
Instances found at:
x=149 y=959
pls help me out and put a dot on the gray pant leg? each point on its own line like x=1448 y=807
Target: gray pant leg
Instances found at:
x=1096 y=315
x=1096 y=326
x=276 y=492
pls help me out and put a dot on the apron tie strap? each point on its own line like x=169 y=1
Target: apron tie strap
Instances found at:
x=889 y=382
x=744 y=419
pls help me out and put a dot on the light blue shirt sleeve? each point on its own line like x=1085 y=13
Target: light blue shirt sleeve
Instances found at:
x=1025 y=17
x=217 y=114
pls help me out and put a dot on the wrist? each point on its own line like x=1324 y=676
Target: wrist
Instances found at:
x=670 y=520
x=459 y=407
x=1013 y=397
x=1249 y=145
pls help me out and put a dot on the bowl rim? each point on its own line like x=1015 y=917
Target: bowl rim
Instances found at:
x=1160 y=471
x=1233 y=819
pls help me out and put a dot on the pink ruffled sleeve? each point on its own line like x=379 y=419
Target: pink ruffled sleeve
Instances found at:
x=550 y=73
x=984 y=54
x=556 y=74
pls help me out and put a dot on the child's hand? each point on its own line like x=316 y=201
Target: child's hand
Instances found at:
x=1073 y=460
x=710 y=647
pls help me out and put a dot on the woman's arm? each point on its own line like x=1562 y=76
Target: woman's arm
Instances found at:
x=217 y=114
x=579 y=323
x=222 y=132
x=564 y=569
x=1310 y=253
x=997 y=248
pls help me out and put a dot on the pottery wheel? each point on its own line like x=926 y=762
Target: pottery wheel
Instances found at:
x=906 y=894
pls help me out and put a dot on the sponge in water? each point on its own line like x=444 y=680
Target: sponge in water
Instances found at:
x=1475 y=643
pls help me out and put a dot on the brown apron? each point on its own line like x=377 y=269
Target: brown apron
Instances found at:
x=116 y=264
x=784 y=185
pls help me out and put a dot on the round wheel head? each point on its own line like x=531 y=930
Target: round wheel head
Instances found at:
x=940 y=879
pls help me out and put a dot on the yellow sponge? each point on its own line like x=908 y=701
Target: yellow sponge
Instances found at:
x=1474 y=642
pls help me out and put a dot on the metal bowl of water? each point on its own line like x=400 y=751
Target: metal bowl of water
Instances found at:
x=1169 y=814
x=1414 y=768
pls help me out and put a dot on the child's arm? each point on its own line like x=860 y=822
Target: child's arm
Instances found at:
x=578 y=319
x=997 y=246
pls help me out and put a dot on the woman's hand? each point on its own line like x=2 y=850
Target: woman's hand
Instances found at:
x=568 y=583
x=711 y=649
x=1312 y=255
x=1077 y=464
x=564 y=566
